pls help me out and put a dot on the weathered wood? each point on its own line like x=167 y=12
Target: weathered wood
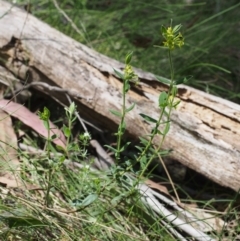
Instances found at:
x=205 y=130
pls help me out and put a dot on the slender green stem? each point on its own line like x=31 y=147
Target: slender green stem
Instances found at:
x=69 y=127
x=159 y=121
x=120 y=132
x=152 y=135
x=171 y=66
x=47 y=199
x=50 y=171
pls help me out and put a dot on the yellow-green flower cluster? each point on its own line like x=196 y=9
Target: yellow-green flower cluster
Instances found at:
x=173 y=102
x=172 y=37
x=129 y=74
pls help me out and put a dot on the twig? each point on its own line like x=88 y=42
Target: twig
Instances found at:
x=173 y=231
x=105 y=161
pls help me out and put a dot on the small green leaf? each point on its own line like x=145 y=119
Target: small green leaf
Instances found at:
x=125 y=146
x=148 y=118
x=139 y=148
x=164 y=122
x=128 y=58
x=159 y=133
x=163 y=30
x=116 y=113
x=162 y=101
x=175 y=104
x=174 y=90
x=60 y=148
x=177 y=28
x=153 y=150
x=183 y=80
x=122 y=127
x=46 y=124
x=130 y=108
x=45 y=115
x=66 y=131
x=143 y=162
x=165 y=152
x=143 y=140
x=72 y=108
x=186 y=79
x=167 y=128
x=53 y=137
x=89 y=199
x=111 y=148
x=161 y=47
x=119 y=74
x=23 y=221
x=117 y=199
x=163 y=80
x=126 y=86
x=62 y=159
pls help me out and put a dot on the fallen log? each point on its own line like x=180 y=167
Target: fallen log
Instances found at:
x=205 y=129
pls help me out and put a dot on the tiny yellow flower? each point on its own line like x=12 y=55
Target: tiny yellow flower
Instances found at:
x=172 y=37
x=173 y=102
x=129 y=74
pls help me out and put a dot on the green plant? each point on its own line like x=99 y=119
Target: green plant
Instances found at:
x=55 y=163
x=92 y=195
x=166 y=102
x=101 y=203
x=128 y=76
x=45 y=117
x=84 y=138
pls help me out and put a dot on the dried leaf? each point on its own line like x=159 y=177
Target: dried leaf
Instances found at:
x=32 y=120
x=157 y=186
x=9 y=164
